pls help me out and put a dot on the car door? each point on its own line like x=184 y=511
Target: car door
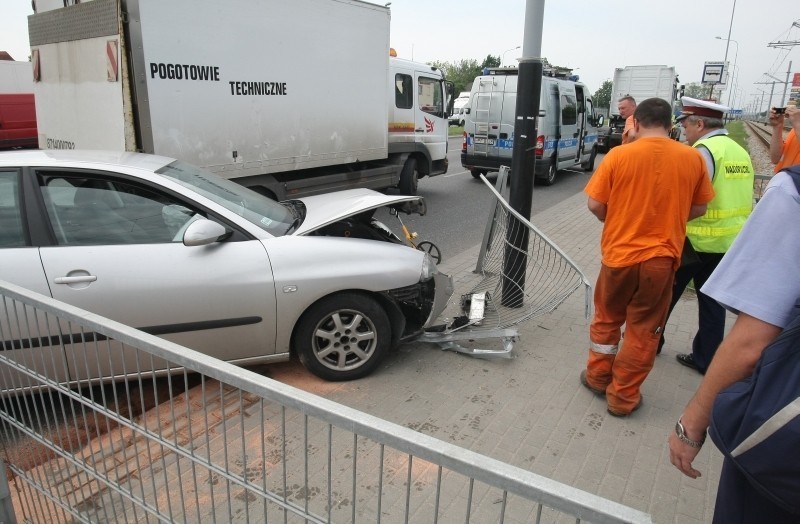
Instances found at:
x=431 y=122
x=24 y=333
x=119 y=254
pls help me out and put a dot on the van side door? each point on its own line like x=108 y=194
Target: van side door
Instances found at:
x=570 y=133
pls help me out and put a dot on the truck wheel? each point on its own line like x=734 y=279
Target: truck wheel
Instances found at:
x=550 y=178
x=476 y=173
x=409 y=178
x=343 y=337
x=589 y=165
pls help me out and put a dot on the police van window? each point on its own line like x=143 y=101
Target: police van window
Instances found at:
x=569 y=110
x=403 y=91
x=430 y=96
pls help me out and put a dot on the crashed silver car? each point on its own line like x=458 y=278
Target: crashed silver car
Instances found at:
x=178 y=252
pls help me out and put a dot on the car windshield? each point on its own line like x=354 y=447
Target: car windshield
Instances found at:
x=267 y=214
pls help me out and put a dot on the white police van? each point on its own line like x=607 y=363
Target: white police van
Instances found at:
x=567 y=126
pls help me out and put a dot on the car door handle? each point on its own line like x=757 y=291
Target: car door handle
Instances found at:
x=75 y=280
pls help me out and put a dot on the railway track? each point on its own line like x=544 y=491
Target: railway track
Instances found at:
x=760 y=131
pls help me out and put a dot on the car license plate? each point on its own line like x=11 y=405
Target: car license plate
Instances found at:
x=480 y=140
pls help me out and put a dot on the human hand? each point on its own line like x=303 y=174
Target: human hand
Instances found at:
x=681 y=456
x=793 y=114
x=775 y=119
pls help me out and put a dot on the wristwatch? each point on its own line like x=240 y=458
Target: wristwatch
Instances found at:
x=681 y=432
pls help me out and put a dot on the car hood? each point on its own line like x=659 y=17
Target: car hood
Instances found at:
x=322 y=210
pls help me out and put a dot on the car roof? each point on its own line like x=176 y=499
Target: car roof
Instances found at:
x=83 y=158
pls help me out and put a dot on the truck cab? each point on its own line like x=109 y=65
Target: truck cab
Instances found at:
x=418 y=121
x=567 y=125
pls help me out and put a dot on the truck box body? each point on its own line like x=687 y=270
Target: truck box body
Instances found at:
x=244 y=88
x=641 y=82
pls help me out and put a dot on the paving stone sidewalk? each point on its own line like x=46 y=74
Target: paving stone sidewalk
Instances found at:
x=531 y=411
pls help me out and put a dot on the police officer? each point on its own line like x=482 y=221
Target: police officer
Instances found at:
x=712 y=234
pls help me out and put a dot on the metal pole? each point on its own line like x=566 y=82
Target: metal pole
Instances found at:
x=786 y=85
x=529 y=88
x=735 y=58
x=771 y=92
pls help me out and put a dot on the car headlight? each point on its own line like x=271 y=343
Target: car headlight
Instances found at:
x=429 y=268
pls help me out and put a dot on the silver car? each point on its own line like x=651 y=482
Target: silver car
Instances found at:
x=178 y=252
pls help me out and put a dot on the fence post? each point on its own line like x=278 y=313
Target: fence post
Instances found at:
x=6 y=504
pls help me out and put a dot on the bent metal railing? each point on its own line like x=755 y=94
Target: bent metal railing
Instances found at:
x=211 y=441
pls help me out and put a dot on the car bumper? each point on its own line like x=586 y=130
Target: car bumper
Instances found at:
x=443 y=290
x=490 y=164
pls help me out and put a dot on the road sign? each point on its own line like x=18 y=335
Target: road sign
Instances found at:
x=712 y=72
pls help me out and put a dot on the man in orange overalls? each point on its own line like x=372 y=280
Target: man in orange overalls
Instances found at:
x=644 y=194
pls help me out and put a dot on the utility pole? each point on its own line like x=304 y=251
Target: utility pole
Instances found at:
x=529 y=89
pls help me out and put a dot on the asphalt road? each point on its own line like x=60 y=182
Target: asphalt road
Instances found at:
x=459 y=205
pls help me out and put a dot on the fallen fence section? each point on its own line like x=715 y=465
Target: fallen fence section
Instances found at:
x=524 y=275
x=235 y=446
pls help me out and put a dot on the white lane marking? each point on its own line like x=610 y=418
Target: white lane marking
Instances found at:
x=456 y=174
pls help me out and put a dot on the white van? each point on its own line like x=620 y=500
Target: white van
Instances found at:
x=567 y=125
x=457 y=115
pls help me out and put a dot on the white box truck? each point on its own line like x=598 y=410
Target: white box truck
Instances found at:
x=289 y=97
x=641 y=82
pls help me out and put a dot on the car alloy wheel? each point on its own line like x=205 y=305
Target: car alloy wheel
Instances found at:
x=343 y=337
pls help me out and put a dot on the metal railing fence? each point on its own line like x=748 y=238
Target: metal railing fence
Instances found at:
x=543 y=280
x=215 y=442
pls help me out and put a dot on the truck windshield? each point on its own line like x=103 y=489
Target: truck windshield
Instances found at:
x=267 y=214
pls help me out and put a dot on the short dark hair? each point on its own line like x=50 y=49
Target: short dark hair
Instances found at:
x=654 y=112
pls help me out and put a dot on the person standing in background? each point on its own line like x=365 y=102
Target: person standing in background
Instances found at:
x=712 y=234
x=784 y=153
x=626 y=106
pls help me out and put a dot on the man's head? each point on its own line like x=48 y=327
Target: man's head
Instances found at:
x=626 y=106
x=700 y=117
x=654 y=113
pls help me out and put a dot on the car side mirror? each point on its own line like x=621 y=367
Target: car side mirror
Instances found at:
x=600 y=121
x=203 y=232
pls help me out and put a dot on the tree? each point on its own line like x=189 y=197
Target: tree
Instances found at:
x=491 y=61
x=696 y=90
x=602 y=97
x=461 y=73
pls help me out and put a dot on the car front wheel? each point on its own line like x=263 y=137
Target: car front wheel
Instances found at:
x=343 y=337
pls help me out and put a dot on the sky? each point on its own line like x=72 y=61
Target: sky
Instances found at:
x=590 y=36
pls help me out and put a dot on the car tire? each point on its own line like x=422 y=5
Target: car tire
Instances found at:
x=589 y=164
x=409 y=178
x=476 y=173
x=343 y=337
x=550 y=178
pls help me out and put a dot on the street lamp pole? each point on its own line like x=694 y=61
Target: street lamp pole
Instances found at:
x=735 y=57
x=503 y=60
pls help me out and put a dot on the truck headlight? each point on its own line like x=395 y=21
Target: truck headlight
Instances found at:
x=429 y=268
